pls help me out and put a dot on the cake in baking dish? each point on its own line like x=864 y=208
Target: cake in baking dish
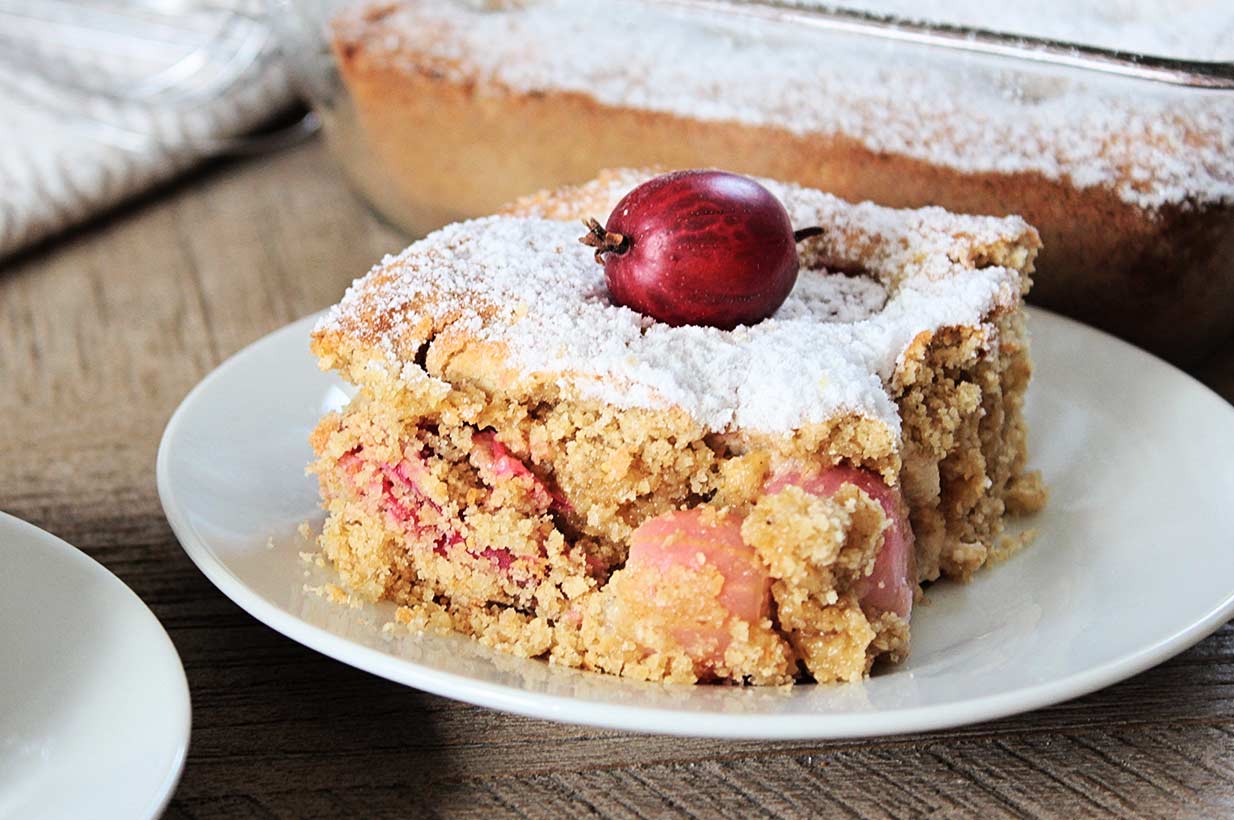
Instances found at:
x=461 y=106
x=560 y=477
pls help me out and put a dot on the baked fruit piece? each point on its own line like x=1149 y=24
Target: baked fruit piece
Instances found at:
x=530 y=464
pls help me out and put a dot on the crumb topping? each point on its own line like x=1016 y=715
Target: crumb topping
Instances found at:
x=523 y=283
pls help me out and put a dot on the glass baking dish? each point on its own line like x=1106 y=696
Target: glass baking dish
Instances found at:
x=441 y=110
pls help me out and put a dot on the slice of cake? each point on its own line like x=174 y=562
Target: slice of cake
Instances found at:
x=531 y=464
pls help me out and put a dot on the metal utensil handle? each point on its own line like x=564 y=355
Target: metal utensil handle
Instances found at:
x=1190 y=73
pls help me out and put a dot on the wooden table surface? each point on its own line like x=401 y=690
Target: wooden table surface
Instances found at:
x=105 y=330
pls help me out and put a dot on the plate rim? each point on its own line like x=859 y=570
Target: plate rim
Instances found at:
x=661 y=721
x=160 y=799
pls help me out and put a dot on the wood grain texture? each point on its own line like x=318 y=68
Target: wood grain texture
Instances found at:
x=104 y=332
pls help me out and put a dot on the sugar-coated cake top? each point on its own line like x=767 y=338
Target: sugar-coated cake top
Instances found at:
x=523 y=280
x=1151 y=145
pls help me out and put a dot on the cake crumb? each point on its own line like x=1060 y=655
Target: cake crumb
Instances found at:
x=335 y=594
x=1009 y=545
x=1027 y=494
x=315 y=558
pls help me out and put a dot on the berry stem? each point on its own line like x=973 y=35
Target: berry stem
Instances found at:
x=604 y=241
x=806 y=233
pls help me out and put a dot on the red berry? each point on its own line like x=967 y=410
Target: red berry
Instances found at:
x=699 y=248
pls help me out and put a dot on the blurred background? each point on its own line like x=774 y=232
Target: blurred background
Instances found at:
x=102 y=100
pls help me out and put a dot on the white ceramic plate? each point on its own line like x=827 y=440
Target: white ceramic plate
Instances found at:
x=1134 y=562
x=94 y=707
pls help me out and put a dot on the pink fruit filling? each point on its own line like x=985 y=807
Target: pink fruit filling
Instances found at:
x=700 y=542
x=687 y=539
x=496 y=460
x=890 y=587
x=497 y=456
x=692 y=540
x=406 y=477
x=400 y=486
x=499 y=556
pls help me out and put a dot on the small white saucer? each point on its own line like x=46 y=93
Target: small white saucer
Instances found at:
x=94 y=705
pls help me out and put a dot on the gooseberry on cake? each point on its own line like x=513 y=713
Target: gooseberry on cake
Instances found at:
x=699 y=247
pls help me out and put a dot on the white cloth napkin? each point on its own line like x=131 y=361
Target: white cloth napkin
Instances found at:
x=102 y=99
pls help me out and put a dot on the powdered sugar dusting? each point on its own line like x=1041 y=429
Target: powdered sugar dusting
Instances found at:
x=1149 y=144
x=525 y=281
